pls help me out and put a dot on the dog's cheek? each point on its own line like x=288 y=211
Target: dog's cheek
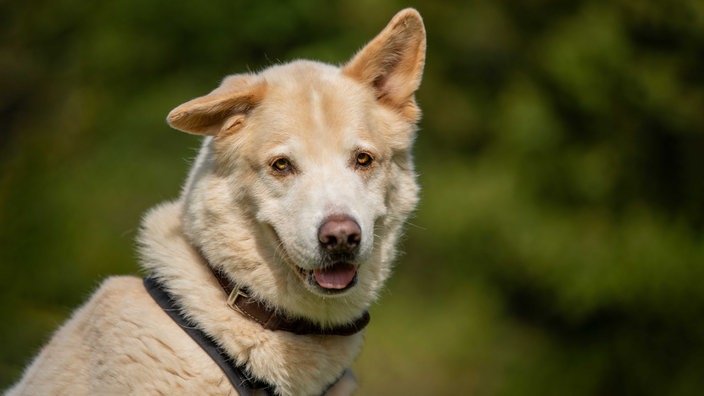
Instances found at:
x=267 y=199
x=401 y=198
x=276 y=207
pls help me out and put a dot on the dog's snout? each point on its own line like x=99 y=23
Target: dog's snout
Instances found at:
x=339 y=233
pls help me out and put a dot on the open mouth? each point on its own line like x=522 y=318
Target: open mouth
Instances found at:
x=333 y=279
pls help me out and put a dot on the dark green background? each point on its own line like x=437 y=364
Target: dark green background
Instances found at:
x=558 y=248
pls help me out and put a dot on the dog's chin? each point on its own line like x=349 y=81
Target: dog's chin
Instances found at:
x=333 y=280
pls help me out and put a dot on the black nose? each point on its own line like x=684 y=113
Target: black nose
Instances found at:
x=339 y=234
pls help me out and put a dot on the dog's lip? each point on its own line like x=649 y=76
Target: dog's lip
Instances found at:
x=336 y=278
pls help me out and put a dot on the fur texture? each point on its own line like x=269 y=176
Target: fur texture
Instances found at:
x=286 y=151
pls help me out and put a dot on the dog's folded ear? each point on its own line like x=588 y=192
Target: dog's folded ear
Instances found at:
x=392 y=63
x=222 y=110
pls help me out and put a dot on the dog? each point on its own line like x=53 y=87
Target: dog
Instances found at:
x=282 y=237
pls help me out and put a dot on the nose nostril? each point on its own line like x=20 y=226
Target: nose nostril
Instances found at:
x=353 y=239
x=329 y=241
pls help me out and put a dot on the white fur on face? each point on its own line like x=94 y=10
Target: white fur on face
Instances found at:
x=328 y=131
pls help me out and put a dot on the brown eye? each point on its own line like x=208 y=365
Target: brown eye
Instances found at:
x=364 y=159
x=282 y=165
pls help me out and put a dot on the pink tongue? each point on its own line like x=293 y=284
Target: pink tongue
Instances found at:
x=338 y=276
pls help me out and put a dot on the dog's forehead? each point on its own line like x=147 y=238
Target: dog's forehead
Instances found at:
x=308 y=101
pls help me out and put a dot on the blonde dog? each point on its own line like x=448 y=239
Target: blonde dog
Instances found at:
x=282 y=238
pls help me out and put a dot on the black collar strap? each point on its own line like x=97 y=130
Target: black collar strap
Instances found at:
x=237 y=375
x=271 y=319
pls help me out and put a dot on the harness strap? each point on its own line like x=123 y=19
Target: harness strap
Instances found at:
x=236 y=374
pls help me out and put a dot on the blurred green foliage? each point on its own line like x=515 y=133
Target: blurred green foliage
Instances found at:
x=558 y=248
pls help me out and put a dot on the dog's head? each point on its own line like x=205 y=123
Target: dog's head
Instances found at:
x=306 y=177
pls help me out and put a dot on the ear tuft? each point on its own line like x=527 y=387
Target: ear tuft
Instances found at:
x=213 y=113
x=392 y=63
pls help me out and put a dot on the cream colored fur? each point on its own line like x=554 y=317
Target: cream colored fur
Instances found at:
x=259 y=226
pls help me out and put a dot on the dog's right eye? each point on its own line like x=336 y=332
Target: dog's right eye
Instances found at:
x=282 y=165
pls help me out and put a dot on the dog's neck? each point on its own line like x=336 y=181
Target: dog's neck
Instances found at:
x=271 y=319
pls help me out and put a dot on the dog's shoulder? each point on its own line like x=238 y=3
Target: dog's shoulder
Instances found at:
x=121 y=342
x=120 y=287
x=117 y=297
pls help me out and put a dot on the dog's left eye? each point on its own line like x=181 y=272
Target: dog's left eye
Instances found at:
x=282 y=165
x=364 y=159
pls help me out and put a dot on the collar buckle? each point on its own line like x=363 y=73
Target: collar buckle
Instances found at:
x=235 y=294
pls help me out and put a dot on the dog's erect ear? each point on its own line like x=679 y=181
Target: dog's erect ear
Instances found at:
x=222 y=110
x=392 y=63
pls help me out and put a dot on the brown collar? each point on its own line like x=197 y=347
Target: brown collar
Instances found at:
x=255 y=310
